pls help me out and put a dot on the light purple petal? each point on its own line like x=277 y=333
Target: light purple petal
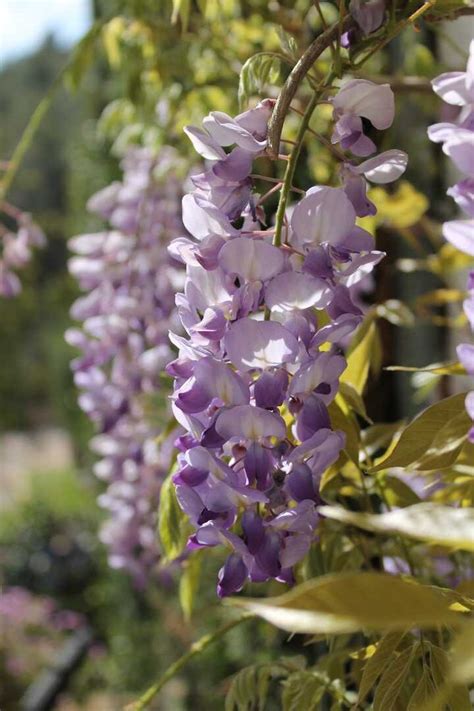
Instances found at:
x=460 y=148
x=325 y=368
x=259 y=344
x=364 y=98
x=251 y=259
x=204 y=144
x=470 y=404
x=461 y=234
x=451 y=87
x=297 y=290
x=323 y=215
x=226 y=131
x=201 y=218
x=465 y=353
x=368 y=15
x=384 y=168
x=441 y=132
x=463 y=194
x=247 y=422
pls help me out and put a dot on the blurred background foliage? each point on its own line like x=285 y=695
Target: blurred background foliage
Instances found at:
x=143 y=71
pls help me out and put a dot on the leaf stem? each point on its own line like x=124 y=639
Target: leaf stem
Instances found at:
x=293 y=160
x=195 y=649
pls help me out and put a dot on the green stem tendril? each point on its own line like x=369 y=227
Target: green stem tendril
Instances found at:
x=293 y=160
x=176 y=667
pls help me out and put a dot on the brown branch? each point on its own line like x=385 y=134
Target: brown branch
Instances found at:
x=297 y=74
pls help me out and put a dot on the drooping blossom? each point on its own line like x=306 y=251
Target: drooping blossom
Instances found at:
x=129 y=282
x=457 y=139
x=257 y=372
x=19 y=235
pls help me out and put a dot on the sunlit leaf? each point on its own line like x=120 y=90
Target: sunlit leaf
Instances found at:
x=354 y=400
x=364 y=356
x=396 y=312
x=189 y=583
x=392 y=680
x=453 y=368
x=257 y=71
x=376 y=664
x=171 y=522
x=433 y=439
x=402 y=208
x=443 y=525
x=347 y=424
x=347 y=602
x=462 y=657
x=111 y=34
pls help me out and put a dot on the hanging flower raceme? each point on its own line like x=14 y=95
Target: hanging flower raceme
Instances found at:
x=457 y=139
x=18 y=236
x=265 y=318
x=129 y=284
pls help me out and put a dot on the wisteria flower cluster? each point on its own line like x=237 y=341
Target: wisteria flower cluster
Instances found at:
x=17 y=244
x=457 y=139
x=130 y=285
x=265 y=317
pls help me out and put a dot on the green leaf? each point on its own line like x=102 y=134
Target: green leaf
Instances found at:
x=396 y=312
x=433 y=439
x=82 y=56
x=375 y=665
x=256 y=73
x=346 y=423
x=181 y=10
x=303 y=690
x=462 y=657
x=348 y=602
x=398 y=493
x=391 y=683
x=364 y=357
x=441 y=525
x=354 y=400
x=249 y=687
x=288 y=43
x=458 y=699
x=453 y=368
x=189 y=583
x=111 y=34
x=171 y=522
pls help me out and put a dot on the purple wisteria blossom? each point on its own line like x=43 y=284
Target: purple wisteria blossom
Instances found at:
x=17 y=241
x=259 y=367
x=457 y=139
x=129 y=283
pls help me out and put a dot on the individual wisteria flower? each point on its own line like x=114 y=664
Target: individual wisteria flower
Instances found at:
x=129 y=282
x=259 y=367
x=369 y=16
x=19 y=235
x=457 y=139
x=356 y=100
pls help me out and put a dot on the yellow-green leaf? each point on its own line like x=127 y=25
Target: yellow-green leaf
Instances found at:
x=354 y=400
x=364 y=356
x=433 y=439
x=347 y=424
x=189 y=583
x=453 y=368
x=376 y=664
x=462 y=657
x=391 y=683
x=442 y=525
x=348 y=602
x=171 y=522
